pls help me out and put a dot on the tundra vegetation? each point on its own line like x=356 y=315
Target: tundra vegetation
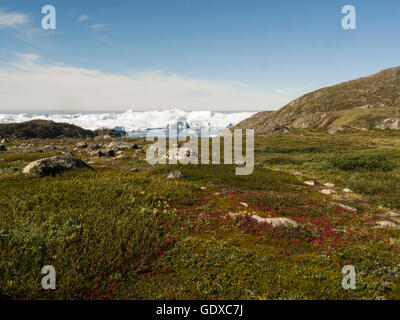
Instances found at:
x=123 y=231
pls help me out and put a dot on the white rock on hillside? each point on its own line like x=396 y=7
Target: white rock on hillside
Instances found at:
x=328 y=191
x=275 y=222
x=386 y=224
x=347 y=208
x=329 y=185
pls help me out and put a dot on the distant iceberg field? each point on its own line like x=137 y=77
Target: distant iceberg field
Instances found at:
x=132 y=121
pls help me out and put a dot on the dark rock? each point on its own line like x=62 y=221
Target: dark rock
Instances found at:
x=103 y=153
x=94 y=147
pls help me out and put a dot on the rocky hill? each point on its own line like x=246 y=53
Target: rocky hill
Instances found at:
x=44 y=129
x=365 y=103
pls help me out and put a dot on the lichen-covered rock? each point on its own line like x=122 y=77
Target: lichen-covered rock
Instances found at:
x=54 y=165
x=122 y=145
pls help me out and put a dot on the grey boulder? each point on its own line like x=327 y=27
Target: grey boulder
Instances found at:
x=54 y=165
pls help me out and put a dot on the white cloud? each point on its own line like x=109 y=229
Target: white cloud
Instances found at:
x=30 y=85
x=12 y=19
x=82 y=18
x=98 y=26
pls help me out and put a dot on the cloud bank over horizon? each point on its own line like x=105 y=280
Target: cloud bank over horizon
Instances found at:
x=30 y=85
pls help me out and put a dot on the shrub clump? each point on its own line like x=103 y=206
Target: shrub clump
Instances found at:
x=360 y=161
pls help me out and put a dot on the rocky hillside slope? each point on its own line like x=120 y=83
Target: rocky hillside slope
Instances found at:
x=365 y=103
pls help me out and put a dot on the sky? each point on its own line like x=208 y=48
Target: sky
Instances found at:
x=236 y=55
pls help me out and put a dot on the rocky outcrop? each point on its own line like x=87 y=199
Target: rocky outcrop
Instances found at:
x=54 y=165
x=45 y=129
x=390 y=123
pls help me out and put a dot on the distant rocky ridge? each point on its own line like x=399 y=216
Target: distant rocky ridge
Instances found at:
x=365 y=103
x=45 y=129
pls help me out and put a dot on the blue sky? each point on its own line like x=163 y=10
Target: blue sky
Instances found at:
x=220 y=55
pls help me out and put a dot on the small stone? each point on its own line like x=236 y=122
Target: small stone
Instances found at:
x=340 y=230
x=81 y=145
x=348 y=208
x=347 y=190
x=329 y=185
x=98 y=154
x=298 y=174
x=174 y=175
x=244 y=204
x=327 y=191
x=394 y=214
x=310 y=182
x=240 y=163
